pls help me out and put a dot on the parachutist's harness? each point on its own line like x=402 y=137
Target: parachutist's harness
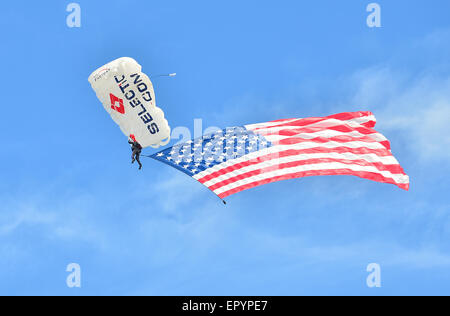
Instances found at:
x=136 y=149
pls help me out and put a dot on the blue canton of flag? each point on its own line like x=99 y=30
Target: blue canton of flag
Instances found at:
x=212 y=149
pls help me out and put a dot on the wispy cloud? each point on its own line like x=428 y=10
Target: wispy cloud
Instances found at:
x=65 y=219
x=25 y=215
x=417 y=108
x=300 y=249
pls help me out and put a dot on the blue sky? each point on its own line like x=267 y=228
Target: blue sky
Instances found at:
x=69 y=194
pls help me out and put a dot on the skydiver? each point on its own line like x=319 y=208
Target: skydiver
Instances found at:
x=136 y=149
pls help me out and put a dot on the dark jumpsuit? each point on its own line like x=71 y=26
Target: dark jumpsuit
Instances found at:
x=136 y=149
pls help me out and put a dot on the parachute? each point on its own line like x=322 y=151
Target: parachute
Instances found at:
x=127 y=95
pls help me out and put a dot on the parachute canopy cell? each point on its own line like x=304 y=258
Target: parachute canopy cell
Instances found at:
x=127 y=95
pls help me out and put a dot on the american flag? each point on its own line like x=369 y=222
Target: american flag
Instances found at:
x=239 y=158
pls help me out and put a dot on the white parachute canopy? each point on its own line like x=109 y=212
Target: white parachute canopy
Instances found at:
x=127 y=95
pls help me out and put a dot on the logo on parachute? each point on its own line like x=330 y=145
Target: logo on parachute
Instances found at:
x=131 y=90
x=114 y=100
x=101 y=73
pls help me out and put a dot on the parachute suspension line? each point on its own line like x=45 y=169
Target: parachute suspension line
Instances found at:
x=164 y=75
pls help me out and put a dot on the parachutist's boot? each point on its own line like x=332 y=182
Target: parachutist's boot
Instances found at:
x=140 y=167
x=132 y=161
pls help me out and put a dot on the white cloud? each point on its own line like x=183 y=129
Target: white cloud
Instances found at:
x=27 y=215
x=175 y=189
x=388 y=252
x=415 y=107
x=46 y=218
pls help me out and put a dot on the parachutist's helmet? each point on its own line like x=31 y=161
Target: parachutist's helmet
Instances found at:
x=133 y=138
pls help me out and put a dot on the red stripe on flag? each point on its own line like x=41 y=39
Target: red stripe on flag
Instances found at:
x=294 y=152
x=362 y=174
x=337 y=139
x=341 y=116
x=394 y=169
x=314 y=129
